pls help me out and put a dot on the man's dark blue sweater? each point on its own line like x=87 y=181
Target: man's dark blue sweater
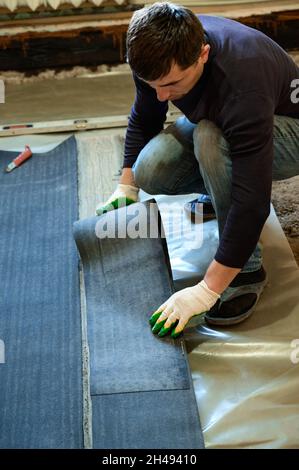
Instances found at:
x=247 y=79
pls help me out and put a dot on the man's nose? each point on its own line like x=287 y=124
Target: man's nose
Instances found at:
x=162 y=94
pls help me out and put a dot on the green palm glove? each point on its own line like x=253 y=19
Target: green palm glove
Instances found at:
x=124 y=195
x=173 y=316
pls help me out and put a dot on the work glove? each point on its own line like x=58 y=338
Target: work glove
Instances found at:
x=175 y=313
x=124 y=195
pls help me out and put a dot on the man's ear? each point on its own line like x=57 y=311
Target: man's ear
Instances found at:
x=204 y=55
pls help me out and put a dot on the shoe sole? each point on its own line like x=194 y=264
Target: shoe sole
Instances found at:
x=234 y=321
x=231 y=321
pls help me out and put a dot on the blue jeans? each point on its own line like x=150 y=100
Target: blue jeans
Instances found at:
x=186 y=158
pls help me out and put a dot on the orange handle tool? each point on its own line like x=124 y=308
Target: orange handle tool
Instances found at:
x=19 y=159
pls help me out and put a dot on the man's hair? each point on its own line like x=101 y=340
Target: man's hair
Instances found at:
x=160 y=35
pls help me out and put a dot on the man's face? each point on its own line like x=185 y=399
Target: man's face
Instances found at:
x=178 y=82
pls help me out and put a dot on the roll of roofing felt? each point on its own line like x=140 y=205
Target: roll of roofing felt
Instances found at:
x=41 y=377
x=140 y=385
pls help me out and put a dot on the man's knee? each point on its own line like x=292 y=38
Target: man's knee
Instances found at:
x=155 y=163
x=209 y=144
x=147 y=170
x=142 y=174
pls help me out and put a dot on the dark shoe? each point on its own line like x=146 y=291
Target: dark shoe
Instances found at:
x=239 y=300
x=200 y=206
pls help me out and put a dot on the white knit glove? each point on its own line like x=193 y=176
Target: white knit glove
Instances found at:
x=175 y=313
x=124 y=195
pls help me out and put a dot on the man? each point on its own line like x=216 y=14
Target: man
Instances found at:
x=237 y=90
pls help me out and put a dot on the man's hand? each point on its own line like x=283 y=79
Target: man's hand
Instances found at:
x=174 y=314
x=124 y=195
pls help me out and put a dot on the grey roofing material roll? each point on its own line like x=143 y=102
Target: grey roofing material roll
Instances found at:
x=140 y=385
x=41 y=379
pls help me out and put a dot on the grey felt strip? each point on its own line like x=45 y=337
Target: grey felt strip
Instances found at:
x=165 y=419
x=41 y=380
x=126 y=279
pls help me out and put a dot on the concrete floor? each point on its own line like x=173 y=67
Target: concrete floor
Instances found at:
x=72 y=98
x=49 y=100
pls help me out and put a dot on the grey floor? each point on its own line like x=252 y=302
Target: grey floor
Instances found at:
x=49 y=100
x=72 y=98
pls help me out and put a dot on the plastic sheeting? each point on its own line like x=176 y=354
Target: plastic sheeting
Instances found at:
x=246 y=376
